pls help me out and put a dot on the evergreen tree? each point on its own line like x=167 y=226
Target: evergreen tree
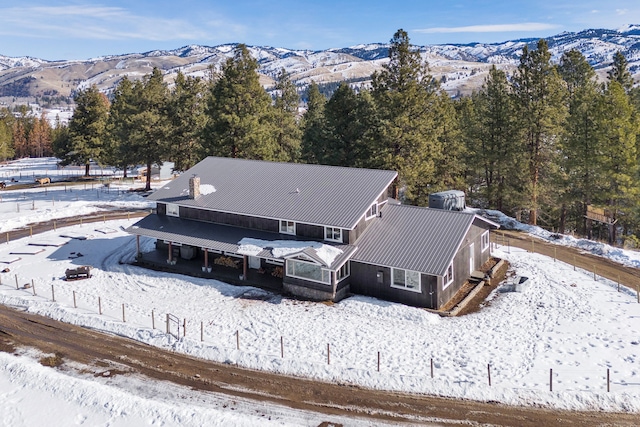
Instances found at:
x=60 y=144
x=119 y=151
x=450 y=165
x=238 y=112
x=186 y=112
x=345 y=128
x=539 y=94
x=619 y=72
x=150 y=128
x=618 y=133
x=87 y=128
x=314 y=127
x=6 y=136
x=405 y=96
x=288 y=133
x=582 y=148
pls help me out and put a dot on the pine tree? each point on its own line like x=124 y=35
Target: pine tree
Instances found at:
x=186 y=112
x=287 y=132
x=618 y=133
x=118 y=151
x=619 y=72
x=539 y=94
x=314 y=127
x=87 y=128
x=405 y=96
x=450 y=165
x=6 y=137
x=238 y=112
x=150 y=127
x=581 y=146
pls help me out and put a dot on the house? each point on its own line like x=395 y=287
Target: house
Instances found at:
x=317 y=232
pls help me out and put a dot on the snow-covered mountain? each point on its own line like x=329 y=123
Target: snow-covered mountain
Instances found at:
x=461 y=67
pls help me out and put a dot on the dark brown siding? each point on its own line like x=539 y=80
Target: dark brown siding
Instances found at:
x=363 y=223
x=230 y=219
x=311 y=231
x=364 y=280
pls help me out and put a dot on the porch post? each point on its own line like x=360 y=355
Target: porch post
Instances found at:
x=206 y=258
x=137 y=245
x=245 y=260
x=170 y=252
x=334 y=283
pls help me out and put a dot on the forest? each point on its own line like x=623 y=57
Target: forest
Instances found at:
x=544 y=144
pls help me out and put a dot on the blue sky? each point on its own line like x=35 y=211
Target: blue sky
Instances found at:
x=78 y=29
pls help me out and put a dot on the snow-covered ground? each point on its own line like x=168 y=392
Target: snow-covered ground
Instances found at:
x=564 y=321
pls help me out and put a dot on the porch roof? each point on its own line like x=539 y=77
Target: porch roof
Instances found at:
x=216 y=236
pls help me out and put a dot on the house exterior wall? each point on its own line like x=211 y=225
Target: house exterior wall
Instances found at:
x=365 y=281
x=461 y=262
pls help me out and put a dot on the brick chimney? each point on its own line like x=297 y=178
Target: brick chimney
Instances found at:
x=194 y=187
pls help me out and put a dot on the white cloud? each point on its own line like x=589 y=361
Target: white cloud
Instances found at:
x=99 y=22
x=621 y=11
x=496 y=28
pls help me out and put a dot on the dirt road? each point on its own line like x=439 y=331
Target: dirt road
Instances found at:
x=603 y=267
x=72 y=343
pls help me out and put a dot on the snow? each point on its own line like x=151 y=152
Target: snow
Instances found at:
x=563 y=320
x=207 y=189
x=282 y=248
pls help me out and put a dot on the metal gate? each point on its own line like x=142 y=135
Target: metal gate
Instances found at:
x=173 y=322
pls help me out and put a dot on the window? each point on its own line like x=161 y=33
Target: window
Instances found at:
x=447 y=279
x=333 y=234
x=405 y=279
x=485 y=241
x=308 y=271
x=287 y=227
x=344 y=272
x=373 y=211
x=173 y=209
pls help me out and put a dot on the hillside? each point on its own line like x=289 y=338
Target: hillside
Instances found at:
x=461 y=68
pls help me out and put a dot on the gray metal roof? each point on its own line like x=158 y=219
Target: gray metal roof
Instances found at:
x=215 y=236
x=314 y=194
x=414 y=238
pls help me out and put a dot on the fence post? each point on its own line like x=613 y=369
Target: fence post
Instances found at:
x=54 y=225
x=328 y=354
x=123 y=318
x=378 y=361
x=74 y=300
x=53 y=295
x=33 y=286
x=281 y=347
x=31 y=231
x=574 y=263
x=618 y=283
x=595 y=278
x=550 y=379
x=17 y=287
x=99 y=306
x=7 y=238
x=489 y=373
x=432 y=367
x=184 y=327
x=555 y=253
x=153 y=320
x=167 y=323
x=237 y=339
x=608 y=388
x=201 y=331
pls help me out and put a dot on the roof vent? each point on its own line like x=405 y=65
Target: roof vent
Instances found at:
x=194 y=187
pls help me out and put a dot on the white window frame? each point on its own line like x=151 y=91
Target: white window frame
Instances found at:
x=330 y=231
x=484 y=241
x=372 y=212
x=447 y=279
x=404 y=287
x=324 y=272
x=343 y=272
x=274 y=261
x=172 y=210
x=289 y=227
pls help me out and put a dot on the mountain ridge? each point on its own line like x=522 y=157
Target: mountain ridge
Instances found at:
x=460 y=67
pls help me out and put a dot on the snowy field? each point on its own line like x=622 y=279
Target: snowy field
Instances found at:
x=564 y=321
